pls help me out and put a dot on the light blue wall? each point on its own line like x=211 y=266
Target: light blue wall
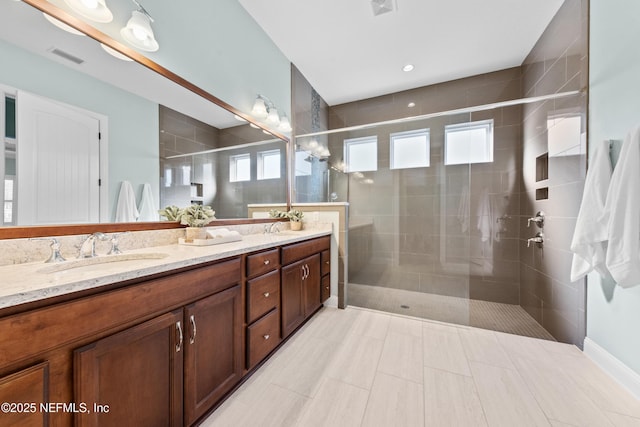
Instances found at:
x=219 y=47
x=613 y=313
x=133 y=121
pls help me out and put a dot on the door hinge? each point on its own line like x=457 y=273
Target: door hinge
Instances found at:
x=99 y=135
x=99 y=182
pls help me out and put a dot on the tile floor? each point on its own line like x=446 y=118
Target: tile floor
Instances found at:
x=495 y=316
x=358 y=367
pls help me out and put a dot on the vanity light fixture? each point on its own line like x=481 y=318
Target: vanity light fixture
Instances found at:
x=273 y=118
x=238 y=118
x=95 y=10
x=285 y=125
x=111 y=51
x=62 y=25
x=138 y=32
x=260 y=108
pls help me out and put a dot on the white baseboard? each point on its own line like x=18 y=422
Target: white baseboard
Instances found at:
x=332 y=301
x=620 y=372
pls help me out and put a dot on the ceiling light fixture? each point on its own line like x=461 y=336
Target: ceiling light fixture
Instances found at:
x=381 y=6
x=62 y=25
x=138 y=32
x=407 y=68
x=95 y=10
x=265 y=110
x=111 y=51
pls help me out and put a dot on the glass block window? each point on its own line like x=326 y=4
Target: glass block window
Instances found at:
x=361 y=154
x=240 y=168
x=470 y=142
x=410 y=149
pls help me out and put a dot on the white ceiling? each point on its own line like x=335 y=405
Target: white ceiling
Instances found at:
x=349 y=54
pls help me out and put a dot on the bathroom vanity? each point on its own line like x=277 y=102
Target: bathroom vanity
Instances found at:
x=161 y=343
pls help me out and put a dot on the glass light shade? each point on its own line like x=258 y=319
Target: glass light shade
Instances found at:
x=285 y=125
x=95 y=10
x=138 y=32
x=273 y=117
x=115 y=53
x=62 y=25
x=259 y=108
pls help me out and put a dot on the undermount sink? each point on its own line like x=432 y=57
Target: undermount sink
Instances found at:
x=105 y=259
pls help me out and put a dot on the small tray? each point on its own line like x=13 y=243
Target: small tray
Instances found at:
x=209 y=242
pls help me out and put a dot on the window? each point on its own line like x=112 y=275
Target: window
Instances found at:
x=303 y=163
x=240 y=168
x=410 y=149
x=361 y=154
x=8 y=200
x=269 y=164
x=468 y=143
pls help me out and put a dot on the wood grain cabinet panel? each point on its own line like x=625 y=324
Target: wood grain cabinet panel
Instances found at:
x=136 y=372
x=24 y=391
x=325 y=261
x=213 y=354
x=263 y=262
x=263 y=295
x=262 y=337
x=325 y=290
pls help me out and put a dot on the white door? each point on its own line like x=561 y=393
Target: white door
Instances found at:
x=58 y=163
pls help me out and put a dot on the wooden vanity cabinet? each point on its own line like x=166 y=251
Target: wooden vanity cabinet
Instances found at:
x=28 y=386
x=301 y=280
x=137 y=372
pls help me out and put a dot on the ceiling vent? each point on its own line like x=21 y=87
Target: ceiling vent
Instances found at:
x=381 y=6
x=66 y=55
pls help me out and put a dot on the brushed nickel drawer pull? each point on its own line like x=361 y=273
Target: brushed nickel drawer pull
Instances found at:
x=192 y=319
x=266 y=262
x=266 y=337
x=266 y=294
x=180 y=337
x=326 y=287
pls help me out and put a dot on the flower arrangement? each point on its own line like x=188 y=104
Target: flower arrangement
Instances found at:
x=191 y=216
x=294 y=215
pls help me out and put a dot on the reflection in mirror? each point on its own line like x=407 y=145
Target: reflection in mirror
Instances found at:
x=122 y=100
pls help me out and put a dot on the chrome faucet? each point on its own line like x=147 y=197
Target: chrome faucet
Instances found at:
x=55 y=250
x=91 y=241
x=538 y=240
x=274 y=227
x=537 y=220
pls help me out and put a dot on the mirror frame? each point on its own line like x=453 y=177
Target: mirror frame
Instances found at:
x=18 y=232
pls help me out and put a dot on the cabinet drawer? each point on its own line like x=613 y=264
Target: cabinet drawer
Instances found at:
x=325 y=291
x=325 y=262
x=263 y=262
x=263 y=295
x=262 y=337
x=297 y=251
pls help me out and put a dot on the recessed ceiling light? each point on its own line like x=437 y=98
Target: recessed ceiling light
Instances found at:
x=411 y=104
x=407 y=68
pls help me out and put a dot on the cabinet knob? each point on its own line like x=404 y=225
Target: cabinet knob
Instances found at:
x=266 y=294
x=266 y=337
x=266 y=262
x=327 y=262
x=326 y=287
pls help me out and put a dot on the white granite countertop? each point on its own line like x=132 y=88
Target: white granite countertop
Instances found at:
x=23 y=283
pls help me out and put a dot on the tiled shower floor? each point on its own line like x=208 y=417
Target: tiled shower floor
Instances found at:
x=508 y=318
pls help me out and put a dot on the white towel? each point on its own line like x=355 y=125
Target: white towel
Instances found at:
x=126 y=210
x=623 y=211
x=485 y=223
x=148 y=210
x=589 y=243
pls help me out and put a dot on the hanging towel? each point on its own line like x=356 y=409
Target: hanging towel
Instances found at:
x=484 y=224
x=463 y=209
x=126 y=210
x=623 y=212
x=589 y=243
x=147 y=209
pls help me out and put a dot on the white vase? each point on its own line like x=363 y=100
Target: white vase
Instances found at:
x=195 y=233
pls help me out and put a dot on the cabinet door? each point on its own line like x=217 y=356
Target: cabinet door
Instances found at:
x=25 y=391
x=312 y=285
x=214 y=350
x=292 y=297
x=136 y=372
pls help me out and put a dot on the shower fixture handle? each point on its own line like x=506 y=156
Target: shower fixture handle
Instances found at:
x=538 y=220
x=538 y=240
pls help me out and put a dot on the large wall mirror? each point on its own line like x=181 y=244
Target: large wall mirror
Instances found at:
x=77 y=122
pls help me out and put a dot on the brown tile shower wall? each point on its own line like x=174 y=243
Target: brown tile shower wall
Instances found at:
x=557 y=63
x=415 y=212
